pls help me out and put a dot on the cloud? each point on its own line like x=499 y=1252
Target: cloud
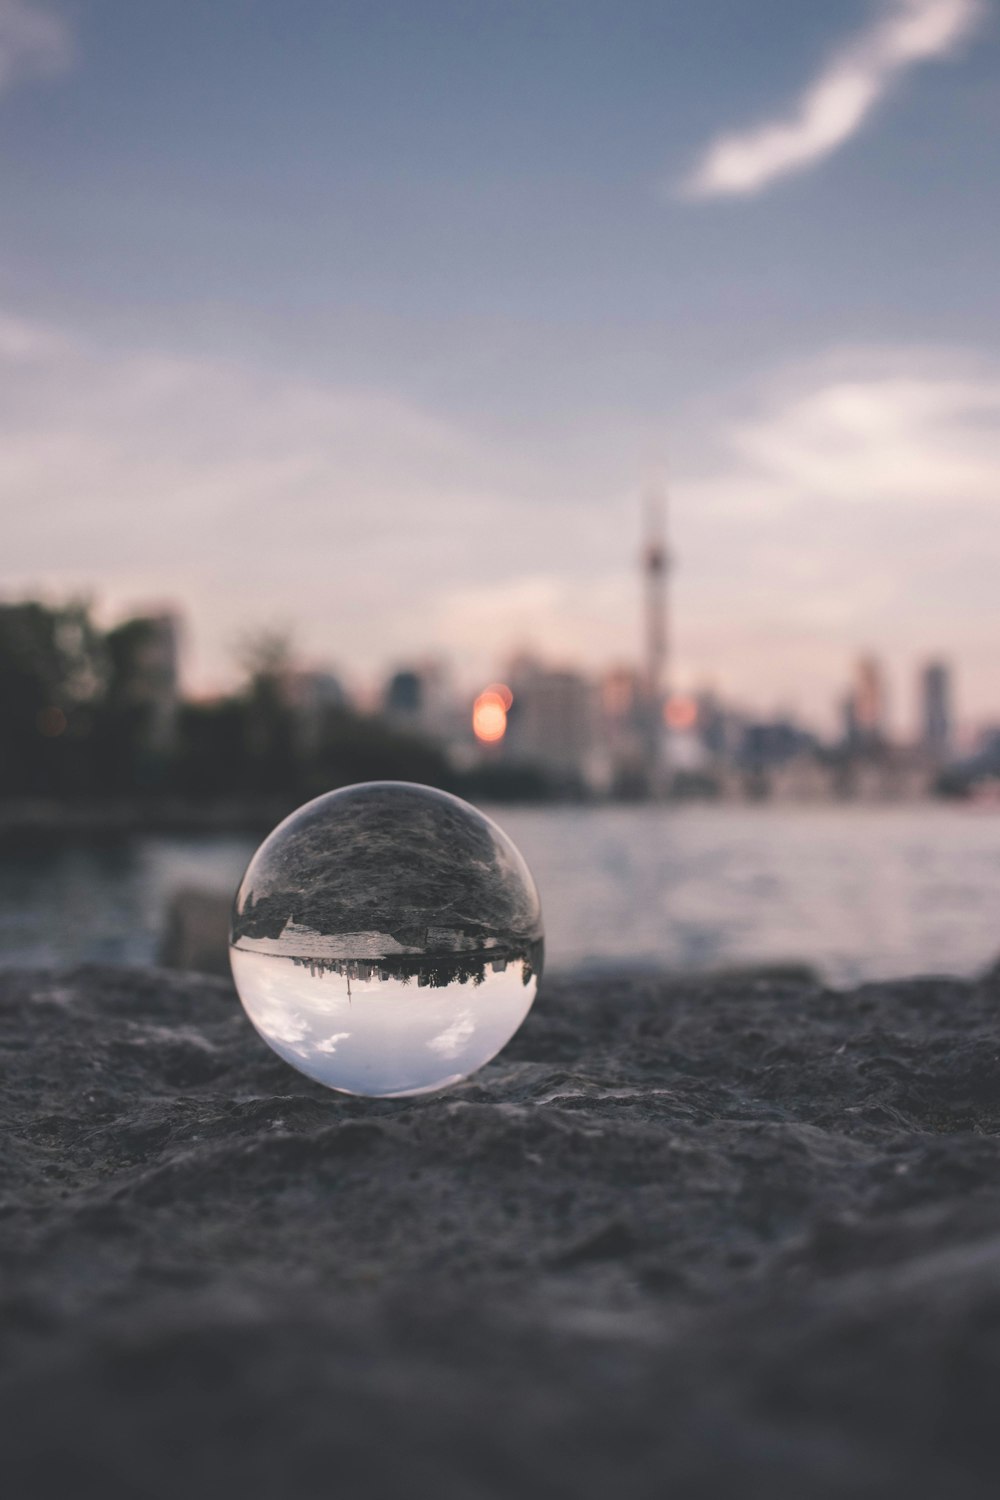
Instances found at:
x=245 y=494
x=23 y=342
x=566 y=618
x=856 y=506
x=455 y=1037
x=848 y=501
x=885 y=432
x=330 y=1044
x=34 y=43
x=838 y=102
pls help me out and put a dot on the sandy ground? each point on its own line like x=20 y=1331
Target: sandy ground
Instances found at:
x=720 y=1238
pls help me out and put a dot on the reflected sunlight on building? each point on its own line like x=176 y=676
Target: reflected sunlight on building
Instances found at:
x=502 y=691
x=489 y=713
x=680 y=713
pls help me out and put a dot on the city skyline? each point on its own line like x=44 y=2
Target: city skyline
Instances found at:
x=903 y=714
x=368 y=324
x=423 y=688
x=94 y=714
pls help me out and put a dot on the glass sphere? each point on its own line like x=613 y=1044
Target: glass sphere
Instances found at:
x=386 y=939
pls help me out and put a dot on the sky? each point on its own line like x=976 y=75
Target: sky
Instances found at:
x=371 y=320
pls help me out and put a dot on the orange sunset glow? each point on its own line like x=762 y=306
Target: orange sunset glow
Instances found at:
x=489 y=713
x=680 y=713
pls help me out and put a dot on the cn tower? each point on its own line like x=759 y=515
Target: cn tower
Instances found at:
x=655 y=573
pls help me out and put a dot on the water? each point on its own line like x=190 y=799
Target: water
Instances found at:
x=386 y=939
x=105 y=901
x=861 y=892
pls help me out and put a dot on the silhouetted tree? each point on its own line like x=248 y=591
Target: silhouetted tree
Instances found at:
x=52 y=671
x=211 y=760
x=354 y=748
x=137 y=715
x=83 y=714
x=266 y=656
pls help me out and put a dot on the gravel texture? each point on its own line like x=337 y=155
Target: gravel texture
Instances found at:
x=730 y=1237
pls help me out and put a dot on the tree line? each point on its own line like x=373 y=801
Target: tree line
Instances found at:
x=90 y=715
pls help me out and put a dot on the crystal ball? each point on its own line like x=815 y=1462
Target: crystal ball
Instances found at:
x=386 y=939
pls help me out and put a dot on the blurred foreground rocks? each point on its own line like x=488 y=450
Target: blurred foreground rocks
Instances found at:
x=726 y=1238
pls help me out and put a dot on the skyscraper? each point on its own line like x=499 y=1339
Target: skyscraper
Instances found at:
x=551 y=720
x=869 y=703
x=936 y=711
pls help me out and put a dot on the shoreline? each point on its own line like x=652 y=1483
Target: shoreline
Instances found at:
x=44 y=820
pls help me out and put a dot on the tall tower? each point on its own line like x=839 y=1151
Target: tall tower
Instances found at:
x=655 y=572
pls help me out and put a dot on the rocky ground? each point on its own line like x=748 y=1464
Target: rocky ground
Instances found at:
x=734 y=1237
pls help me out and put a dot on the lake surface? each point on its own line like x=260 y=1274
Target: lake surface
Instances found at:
x=862 y=893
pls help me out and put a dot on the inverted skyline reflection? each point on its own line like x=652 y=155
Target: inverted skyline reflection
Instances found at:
x=387 y=939
x=380 y=1036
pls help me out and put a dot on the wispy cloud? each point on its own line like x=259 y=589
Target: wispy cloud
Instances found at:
x=837 y=103
x=34 y=42
x=858 y=506
x=885 y=432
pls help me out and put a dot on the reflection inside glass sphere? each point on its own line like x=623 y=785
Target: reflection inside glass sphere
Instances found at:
x=387 y=939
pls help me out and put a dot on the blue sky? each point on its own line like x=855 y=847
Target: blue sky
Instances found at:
x=368 y=318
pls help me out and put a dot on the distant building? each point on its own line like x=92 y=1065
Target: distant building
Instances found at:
x=404 y=696
x=864 y=709
x=721 y=730
x=551 y=720
x=314 y=698
x=988 y=743
x=620 y=732
x=773 y=742
x=870 y=700
x=310 y=688
x=418 y=698
x=143 y=654
x=936 y=712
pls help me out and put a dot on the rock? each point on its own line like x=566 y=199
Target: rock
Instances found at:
x=712 y=1238
x=196 y=931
